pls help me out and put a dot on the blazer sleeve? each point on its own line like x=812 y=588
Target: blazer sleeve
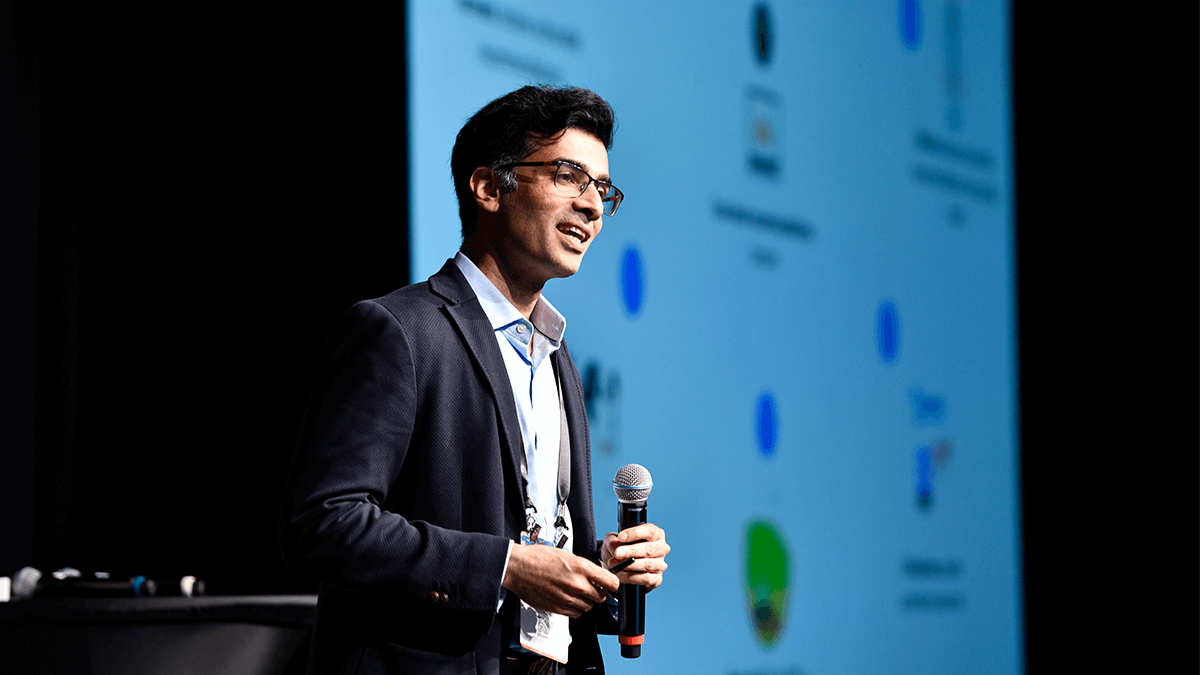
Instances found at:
x=356 y=435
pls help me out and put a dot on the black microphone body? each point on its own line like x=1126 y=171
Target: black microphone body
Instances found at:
x=631 y=598
x=632 y=485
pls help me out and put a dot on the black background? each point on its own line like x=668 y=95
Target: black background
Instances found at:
x=214 y=185
x=192 y=195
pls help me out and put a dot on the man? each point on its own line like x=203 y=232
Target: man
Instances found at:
x=446 y=438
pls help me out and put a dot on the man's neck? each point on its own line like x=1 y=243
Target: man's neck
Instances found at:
x=505 y=281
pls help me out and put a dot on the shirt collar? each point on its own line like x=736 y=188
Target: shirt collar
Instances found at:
x=501 y=313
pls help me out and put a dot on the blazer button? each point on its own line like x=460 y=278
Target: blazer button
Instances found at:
x=432 y=597
x=444 y=599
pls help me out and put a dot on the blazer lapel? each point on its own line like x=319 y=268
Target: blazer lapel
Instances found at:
x=465 y=312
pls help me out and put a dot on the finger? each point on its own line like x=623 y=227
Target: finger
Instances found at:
x=572 y=609
x=588 y=591
x=640 y=567
x=585 y=602
x=650 y=575
x=645 y=549
x=585 y=598
x=644 y=531
x=606 y=548
x=595 y=595
x=649 y=581
x=620 y=567
x=573 y=600
x=603 y=579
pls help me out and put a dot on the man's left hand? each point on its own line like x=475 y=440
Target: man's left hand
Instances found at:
x=647 y=544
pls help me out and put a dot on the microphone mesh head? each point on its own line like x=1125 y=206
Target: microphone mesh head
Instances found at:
x=632 y=483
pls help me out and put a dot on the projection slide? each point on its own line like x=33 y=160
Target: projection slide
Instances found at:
x=801 y=321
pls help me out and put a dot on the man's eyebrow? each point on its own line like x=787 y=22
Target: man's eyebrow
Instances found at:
x=574 y=162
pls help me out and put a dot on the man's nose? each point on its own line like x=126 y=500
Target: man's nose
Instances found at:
x=594 y=200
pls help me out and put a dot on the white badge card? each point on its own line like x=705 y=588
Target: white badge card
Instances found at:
x=544 y=633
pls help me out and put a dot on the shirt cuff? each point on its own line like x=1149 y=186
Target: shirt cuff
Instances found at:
x=504 y=591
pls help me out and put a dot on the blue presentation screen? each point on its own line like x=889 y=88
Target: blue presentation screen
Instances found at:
x=801 y=321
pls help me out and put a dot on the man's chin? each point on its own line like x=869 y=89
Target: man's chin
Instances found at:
x=566 y=267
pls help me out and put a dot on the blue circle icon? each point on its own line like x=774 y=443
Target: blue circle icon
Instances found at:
x=887 y=331
x=633 y=282
x=910 y=23
x=766 y=423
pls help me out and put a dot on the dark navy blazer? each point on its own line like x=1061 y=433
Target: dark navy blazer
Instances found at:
x=404 y=491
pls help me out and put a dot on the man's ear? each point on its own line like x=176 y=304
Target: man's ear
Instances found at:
x=486 y=189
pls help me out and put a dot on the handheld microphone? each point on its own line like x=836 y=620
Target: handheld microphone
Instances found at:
x=632 y=485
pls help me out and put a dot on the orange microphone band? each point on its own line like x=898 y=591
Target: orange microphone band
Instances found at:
x=631 y=639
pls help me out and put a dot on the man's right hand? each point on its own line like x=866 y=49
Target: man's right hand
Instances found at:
x=558 y=581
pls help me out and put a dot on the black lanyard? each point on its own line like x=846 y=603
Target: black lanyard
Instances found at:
x=564 y=473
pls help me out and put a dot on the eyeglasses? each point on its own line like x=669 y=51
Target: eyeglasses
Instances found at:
x=574 y=181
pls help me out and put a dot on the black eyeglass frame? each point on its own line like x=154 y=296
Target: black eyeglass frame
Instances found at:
x=615 y=200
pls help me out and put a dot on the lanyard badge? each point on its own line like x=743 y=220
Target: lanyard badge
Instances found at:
x=546 y=633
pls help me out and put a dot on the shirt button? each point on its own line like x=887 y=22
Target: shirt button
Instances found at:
x=520 y=328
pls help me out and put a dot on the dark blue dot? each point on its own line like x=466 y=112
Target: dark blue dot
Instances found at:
x=887 y=331
x=766 y=423
x=633 y=284
x=910 y=23
x=762 y=34
x=924 y=472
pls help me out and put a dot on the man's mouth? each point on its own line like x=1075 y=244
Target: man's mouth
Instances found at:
x=575 y=231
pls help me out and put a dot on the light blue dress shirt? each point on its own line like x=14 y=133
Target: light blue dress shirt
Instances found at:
x=534 y=387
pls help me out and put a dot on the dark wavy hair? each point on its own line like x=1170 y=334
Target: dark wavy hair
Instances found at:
x=507 y=129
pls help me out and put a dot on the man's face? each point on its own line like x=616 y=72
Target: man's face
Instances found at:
x=543 y=233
